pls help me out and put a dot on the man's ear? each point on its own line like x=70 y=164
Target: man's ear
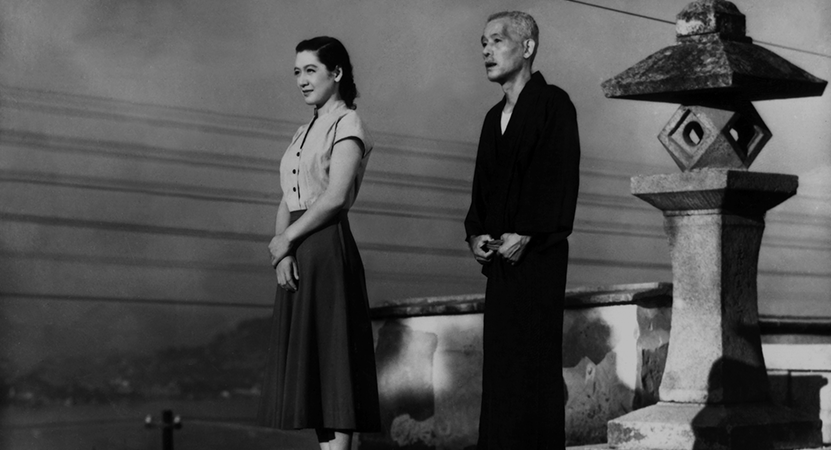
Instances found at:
x=530 y=45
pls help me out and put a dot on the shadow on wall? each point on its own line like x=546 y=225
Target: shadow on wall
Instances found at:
x=588 y=338
x=802 y=391
x=429 y=380
x=589 y=368
x=404 y=360
x=758 y=425
x=613 y=362
x=429 y=375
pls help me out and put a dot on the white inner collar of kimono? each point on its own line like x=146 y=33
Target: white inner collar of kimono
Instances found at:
x=506 y=117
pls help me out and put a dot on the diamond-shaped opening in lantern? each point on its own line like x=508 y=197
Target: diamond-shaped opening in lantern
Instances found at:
x=748 y=135
x=686 y=137
x=692 y=134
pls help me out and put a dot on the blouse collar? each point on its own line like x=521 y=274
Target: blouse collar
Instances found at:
x=338 y=105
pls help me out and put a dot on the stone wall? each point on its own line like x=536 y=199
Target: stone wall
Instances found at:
x=615 y=339
x=429 y=354
x=798 y=357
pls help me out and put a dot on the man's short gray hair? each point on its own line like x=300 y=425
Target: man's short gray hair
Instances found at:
x=522 y=25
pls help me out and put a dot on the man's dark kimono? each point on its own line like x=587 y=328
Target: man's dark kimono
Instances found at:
x=526 y=182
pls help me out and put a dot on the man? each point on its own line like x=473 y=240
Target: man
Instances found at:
x=522 y=209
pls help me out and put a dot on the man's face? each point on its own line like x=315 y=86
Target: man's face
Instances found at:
x=502 y=50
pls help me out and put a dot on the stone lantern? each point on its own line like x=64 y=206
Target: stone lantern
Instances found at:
x=714 y=393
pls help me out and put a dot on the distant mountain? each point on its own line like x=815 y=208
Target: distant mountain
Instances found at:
x=230 y=364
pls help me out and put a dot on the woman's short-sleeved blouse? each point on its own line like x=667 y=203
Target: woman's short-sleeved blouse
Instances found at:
x=304 y=169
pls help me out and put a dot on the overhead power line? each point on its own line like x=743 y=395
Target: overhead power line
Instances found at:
x=771 y=44
x=656 y=19
x=622 y=12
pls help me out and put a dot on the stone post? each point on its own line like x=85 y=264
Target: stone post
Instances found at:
x=714 y=393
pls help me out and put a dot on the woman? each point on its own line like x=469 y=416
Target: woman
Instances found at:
x=321 y=367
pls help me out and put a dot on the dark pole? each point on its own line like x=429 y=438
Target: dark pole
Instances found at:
x=168 y=424
x=167 y=429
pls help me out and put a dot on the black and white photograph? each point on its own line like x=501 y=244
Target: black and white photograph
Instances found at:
x=415 y=225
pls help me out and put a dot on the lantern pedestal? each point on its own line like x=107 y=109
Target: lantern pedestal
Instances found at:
x=714 y=392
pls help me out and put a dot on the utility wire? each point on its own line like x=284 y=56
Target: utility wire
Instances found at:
x=622 y=12
x=771 y=44
x=642 y=16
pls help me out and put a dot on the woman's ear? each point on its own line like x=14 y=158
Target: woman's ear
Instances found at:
x=338 y=73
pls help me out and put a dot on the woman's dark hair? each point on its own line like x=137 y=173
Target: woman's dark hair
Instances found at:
x=333 y=54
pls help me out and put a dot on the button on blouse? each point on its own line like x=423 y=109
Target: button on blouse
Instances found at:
x=304 y=169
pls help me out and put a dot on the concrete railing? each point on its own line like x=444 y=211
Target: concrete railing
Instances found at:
x=429 y=355
x=798 y=358
x=615 y=338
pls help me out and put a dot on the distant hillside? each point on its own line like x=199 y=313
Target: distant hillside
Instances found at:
x=230 y=364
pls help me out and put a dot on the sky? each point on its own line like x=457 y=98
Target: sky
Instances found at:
x=418 y=68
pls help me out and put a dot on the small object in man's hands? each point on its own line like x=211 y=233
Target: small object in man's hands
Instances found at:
x=494 y=244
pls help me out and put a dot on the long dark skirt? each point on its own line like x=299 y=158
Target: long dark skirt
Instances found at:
x=321 y=363
x=522 y=390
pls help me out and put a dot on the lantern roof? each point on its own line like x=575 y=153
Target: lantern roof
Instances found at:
x=712 y=59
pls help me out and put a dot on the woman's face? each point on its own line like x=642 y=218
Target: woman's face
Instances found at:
x=316 y=82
